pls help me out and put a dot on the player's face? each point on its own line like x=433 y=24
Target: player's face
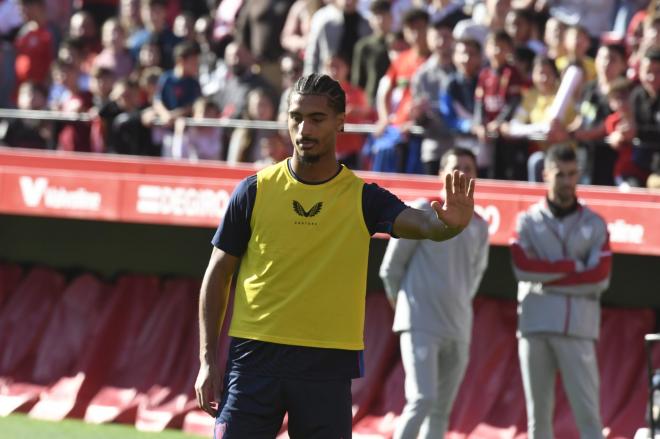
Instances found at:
x=313 y=127
x=462 y=163
x=561 y=179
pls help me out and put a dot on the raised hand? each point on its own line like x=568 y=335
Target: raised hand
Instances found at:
x=459 y=202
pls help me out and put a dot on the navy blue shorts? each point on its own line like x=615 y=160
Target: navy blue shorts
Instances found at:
x=254 y=407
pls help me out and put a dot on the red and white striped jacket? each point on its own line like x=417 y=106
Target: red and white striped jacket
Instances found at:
x=563 y=266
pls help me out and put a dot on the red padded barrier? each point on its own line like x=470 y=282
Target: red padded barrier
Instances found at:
x=491 y=404
x=24 y=318
x=134 y=359
x=22 y=323
x=172 y=395
x=381 y=353
x=623 y=369
x=10 y=276
x=146 y=361
x=61 y=345
x=109 y=349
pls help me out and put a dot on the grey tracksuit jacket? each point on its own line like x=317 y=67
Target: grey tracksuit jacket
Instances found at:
x=434 y=282
x=563 y=266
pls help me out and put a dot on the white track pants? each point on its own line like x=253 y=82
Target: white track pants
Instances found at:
x=541 y=357
x=434 y=369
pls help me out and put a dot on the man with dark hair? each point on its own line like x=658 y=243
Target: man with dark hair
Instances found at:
x=176 y=92
x=428 y=84
x=335 y=28
x=458 y=102
x=300 y=230
x=431 y=286
x=562 y=260
x=370 y=55
x=179 y=88
x=156 y=29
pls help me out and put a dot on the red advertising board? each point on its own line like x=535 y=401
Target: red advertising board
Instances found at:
x=34 y=191
x=163 y=192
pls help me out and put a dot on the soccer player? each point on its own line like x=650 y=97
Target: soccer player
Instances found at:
x=562 y=259
x=431 y=286
x=300 y=230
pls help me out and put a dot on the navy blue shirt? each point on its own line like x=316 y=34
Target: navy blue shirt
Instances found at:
x=380 y=208
x=177 y=91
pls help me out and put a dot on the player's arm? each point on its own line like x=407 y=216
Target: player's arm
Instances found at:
x=229 y=244
x=444 y=221
x=213 y=299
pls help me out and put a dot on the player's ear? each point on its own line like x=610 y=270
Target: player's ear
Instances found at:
x=340 y=122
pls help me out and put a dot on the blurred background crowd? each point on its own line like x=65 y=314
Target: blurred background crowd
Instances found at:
x=421 y=76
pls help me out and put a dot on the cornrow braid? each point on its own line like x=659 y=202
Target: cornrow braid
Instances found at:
x=323 y=85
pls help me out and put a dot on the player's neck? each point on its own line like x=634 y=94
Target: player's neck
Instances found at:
x=314 y=172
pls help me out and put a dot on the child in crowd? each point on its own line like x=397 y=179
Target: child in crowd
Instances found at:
x=73 y=136
x=274 y=148
x=577 y=43
x=244 y=143
x=619 y=127
x=199 y=143
x=496 y=98
x=28 y=133
x=114 y=55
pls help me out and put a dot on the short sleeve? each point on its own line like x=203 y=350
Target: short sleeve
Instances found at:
x=380 y=208
x=234 y=231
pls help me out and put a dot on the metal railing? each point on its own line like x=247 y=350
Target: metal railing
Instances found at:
x=64 y=116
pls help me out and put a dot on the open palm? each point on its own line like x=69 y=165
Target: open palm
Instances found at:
x=459 y=202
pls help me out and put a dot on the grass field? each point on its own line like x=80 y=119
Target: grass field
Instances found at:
x=21 y=427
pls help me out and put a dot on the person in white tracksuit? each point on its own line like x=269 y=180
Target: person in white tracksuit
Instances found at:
x=562 y=260
x=431 y=286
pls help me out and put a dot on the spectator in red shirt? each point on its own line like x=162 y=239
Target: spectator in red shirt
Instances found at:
x=82 y=28
x=73 y=136
x=395 y=104
x=496 y=98
x=358 y=110
x=394 y=98
x=34 y=44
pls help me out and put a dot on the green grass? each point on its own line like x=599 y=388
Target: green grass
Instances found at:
x=19 y=426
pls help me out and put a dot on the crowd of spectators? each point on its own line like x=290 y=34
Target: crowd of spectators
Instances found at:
x=426 y=75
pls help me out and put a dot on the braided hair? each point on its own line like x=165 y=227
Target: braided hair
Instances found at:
x=323 y=85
